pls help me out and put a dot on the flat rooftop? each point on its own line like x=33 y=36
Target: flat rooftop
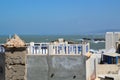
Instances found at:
x=112 y=54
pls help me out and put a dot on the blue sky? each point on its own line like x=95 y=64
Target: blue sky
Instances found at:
x=46 y=17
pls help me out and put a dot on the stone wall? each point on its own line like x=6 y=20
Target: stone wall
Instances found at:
x=2 y=66
x=15 y=64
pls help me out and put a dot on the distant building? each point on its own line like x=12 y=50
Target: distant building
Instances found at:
x=111 y=39
x=112 y=54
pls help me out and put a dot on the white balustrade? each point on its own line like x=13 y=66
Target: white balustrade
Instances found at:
x=57 y=49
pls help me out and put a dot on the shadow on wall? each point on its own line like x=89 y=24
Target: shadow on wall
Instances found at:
x=118 y=49
x=2 y=66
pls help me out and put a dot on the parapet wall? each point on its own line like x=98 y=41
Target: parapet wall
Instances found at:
x=55 y=67
x=107 y=69
x=91 y=68
x=67 y=67
x=37 y=67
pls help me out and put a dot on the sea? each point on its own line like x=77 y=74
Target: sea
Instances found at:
x=48 y=38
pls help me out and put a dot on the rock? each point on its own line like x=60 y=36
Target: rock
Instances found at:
x=15 y=42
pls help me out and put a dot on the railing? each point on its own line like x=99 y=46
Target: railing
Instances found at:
x=37 y=50
x=69 y=49
x=51 y=49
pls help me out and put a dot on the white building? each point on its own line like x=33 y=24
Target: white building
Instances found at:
x=116 y=37
x=58 y=60
x=111 y=39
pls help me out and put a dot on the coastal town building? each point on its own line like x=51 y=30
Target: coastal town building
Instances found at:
x=109 y=69
x=112 y=56
x=111 y=39
x=58 y=60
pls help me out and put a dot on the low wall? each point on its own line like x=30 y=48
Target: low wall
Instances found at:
x=90 y=68
x=55 y=67
x=107 y=69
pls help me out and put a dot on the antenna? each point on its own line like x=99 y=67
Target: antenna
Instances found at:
x=9 y=36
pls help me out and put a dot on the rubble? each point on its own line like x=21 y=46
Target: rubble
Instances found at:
x=15 y=41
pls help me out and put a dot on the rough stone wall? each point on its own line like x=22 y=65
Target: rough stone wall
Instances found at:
x=2 y=66
x=15 y=65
